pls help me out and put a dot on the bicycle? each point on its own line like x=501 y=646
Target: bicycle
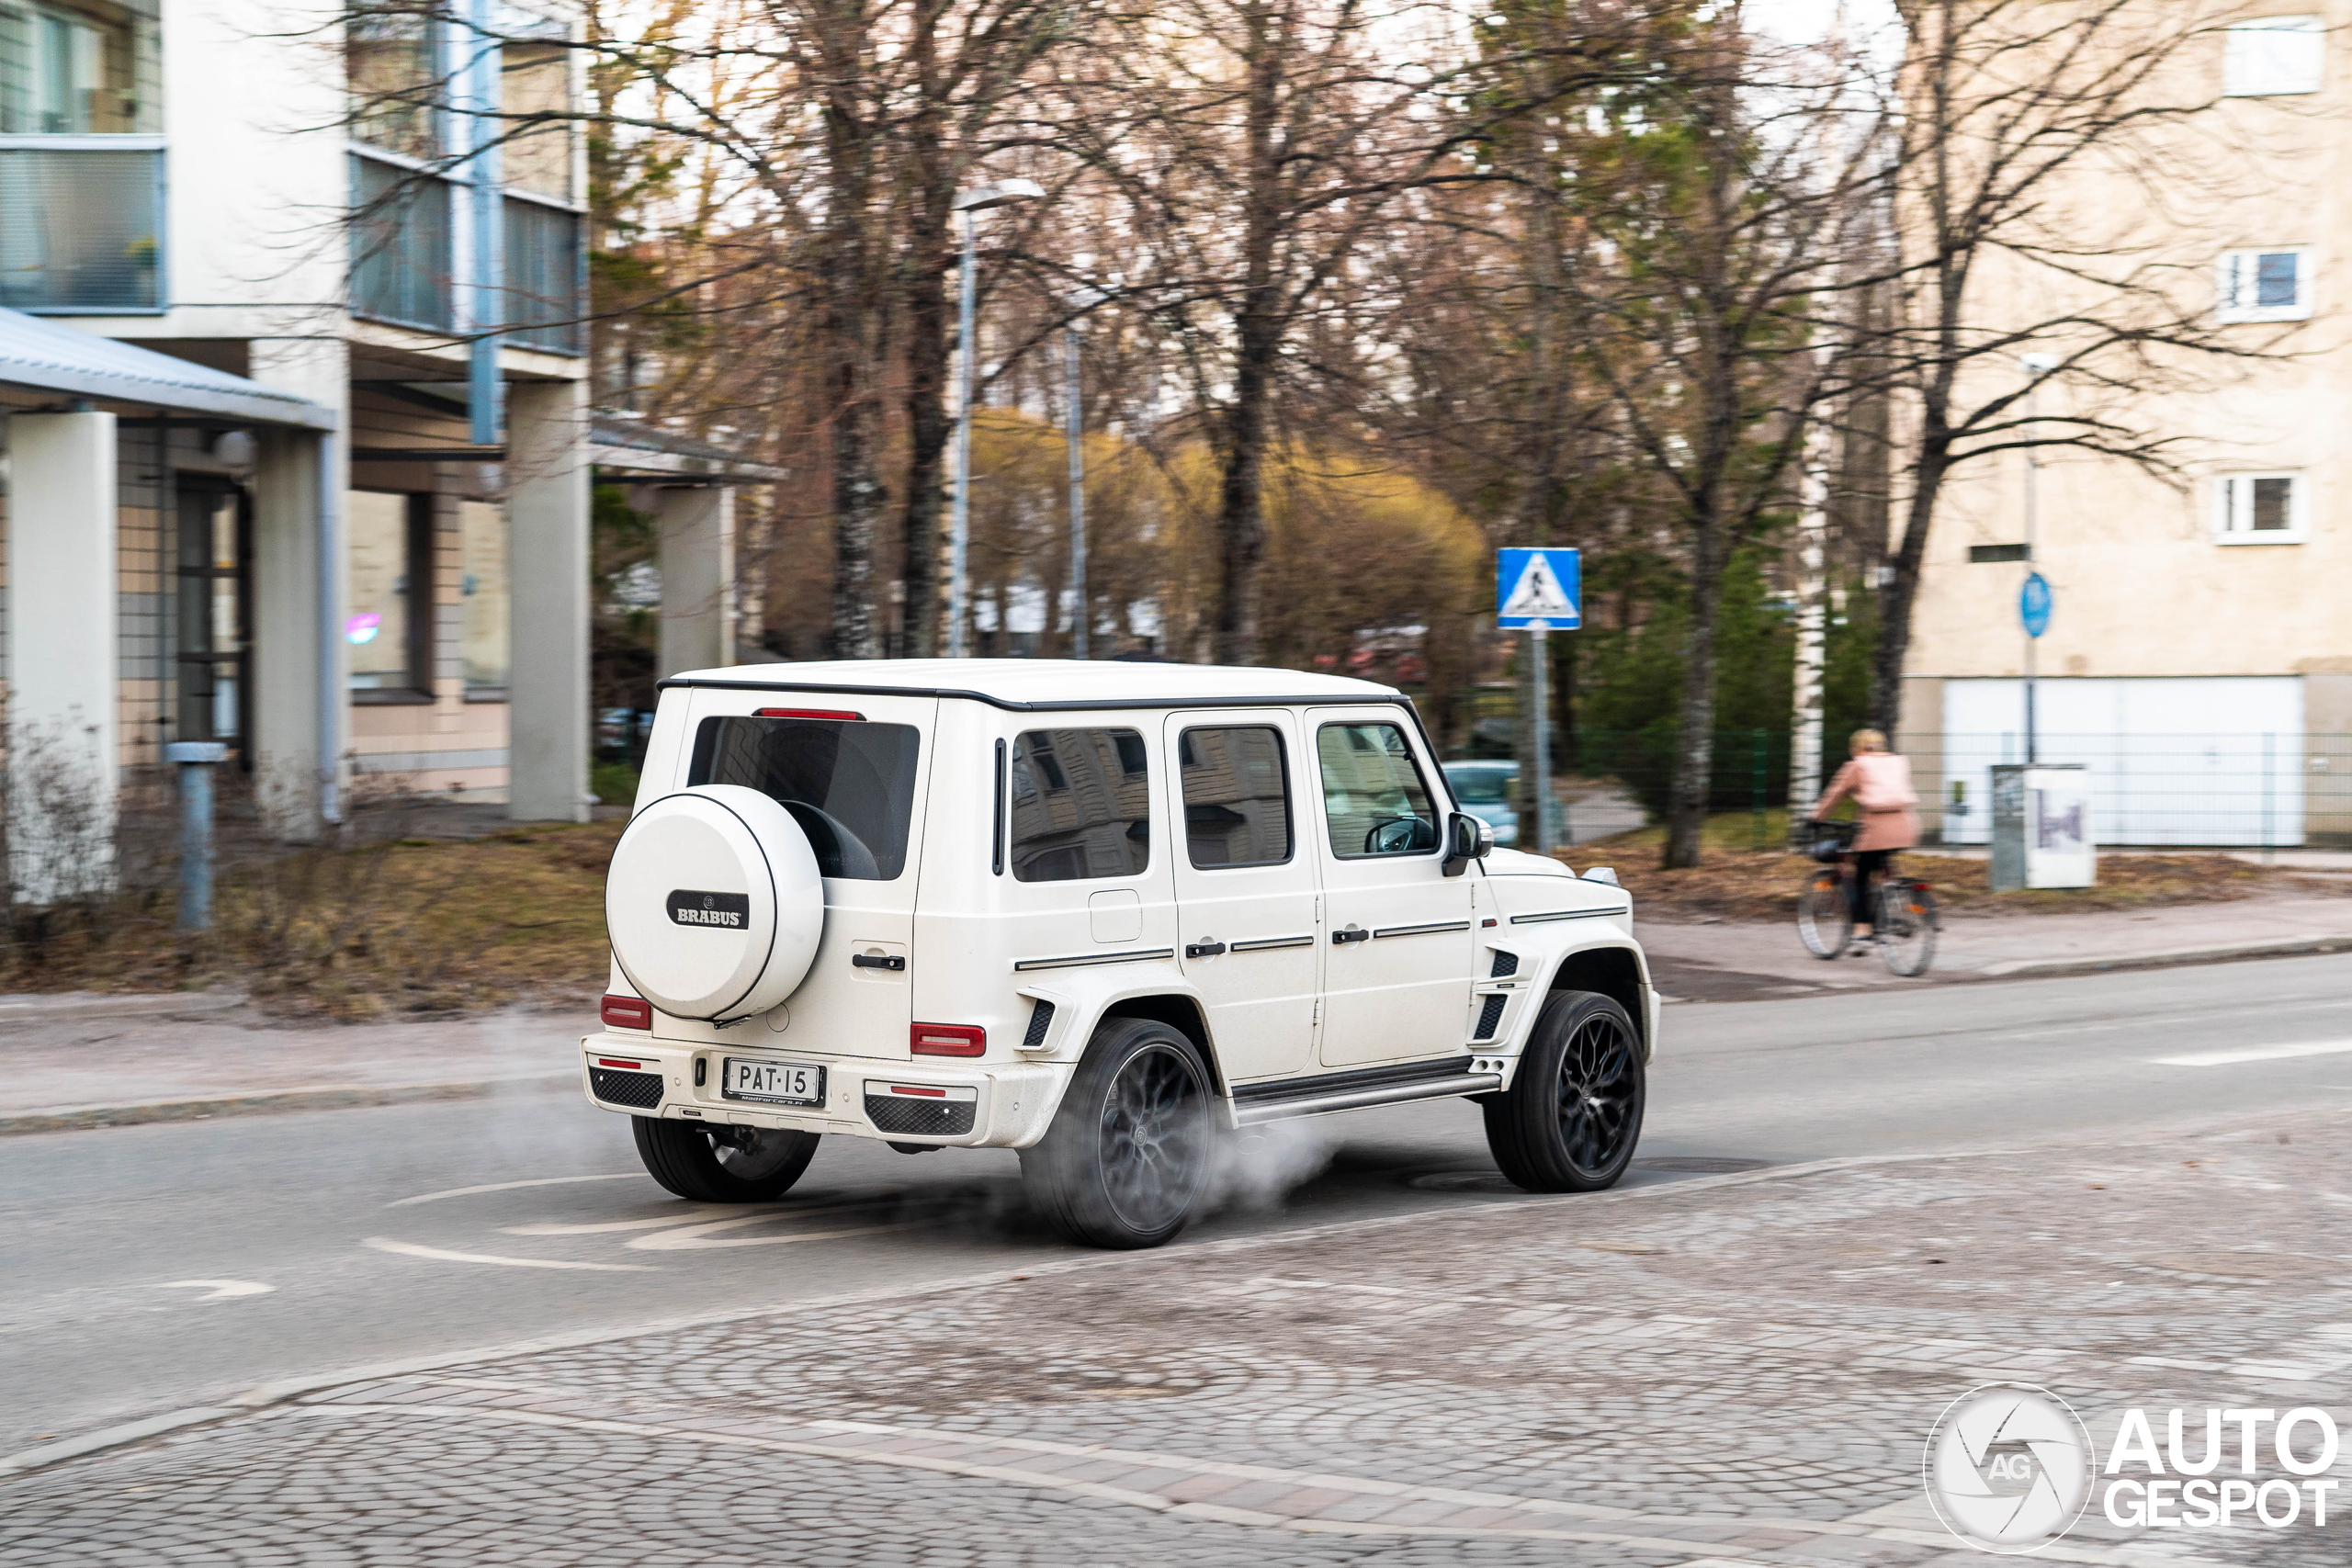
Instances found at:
x=1905 y=924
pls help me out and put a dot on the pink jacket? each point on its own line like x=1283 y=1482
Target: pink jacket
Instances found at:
x=1880 y=783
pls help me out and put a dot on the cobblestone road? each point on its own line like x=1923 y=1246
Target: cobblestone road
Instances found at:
x=1736 y=1369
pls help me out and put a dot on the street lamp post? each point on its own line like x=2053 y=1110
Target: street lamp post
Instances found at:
x=1084 y=299
x=970 y=204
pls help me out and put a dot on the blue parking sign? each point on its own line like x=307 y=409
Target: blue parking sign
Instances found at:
x=1542 y=590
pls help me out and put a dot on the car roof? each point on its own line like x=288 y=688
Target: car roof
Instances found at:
x=1049 y=682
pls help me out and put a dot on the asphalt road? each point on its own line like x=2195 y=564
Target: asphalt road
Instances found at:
x=146 y=1269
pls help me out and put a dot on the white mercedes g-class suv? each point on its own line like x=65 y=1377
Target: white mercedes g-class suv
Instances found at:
x=1100 y=913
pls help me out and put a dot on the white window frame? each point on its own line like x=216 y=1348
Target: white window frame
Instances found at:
x=2235 y=284
x=2248 y=73
x=2233 y=508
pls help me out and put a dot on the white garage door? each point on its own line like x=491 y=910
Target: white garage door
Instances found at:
x=2192 y=761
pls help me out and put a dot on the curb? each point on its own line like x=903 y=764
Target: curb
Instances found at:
x=33 y=1007
x=2166 y=958
x=262 y=1102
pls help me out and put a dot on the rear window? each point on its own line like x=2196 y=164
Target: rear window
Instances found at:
x=850 y=785
x=1081 y=805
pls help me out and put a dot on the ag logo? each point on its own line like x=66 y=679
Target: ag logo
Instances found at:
x=2008 y=1468
x=692 y=907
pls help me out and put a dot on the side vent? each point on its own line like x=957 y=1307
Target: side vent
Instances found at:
x=1505 y=964
x=1490 y=1016
x=1041 y=1019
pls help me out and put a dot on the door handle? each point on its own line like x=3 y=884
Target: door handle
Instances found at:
x=889 y=961
x=1351 y=934
x=1203 y=949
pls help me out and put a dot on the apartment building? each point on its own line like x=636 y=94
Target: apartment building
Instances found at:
x=295 y=406
x=2197 y=659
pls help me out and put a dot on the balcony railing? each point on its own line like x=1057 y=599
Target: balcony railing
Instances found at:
x=543 y=274
x=400 y=245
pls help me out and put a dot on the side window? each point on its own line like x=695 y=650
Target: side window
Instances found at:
x=1237 y=796
x=1372 y=795
x=1081 y=805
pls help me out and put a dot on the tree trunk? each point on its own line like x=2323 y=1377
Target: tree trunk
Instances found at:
x=1694 y=743
x=1902 y=592
x=850 y=339
x=930 y=261
x=1240 y=527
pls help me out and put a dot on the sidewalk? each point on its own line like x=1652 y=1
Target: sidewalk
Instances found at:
x=96 y=1061
x=1727 y=961
x=1722 y=1373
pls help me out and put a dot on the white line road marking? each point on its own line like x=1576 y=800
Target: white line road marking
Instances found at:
x=700 y=1213
x=510 y=1186
x=700 y=1235
x=2255 y=1053
x=410 y=1250
x=218 y=1289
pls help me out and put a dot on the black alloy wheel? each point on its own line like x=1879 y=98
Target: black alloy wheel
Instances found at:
x=1128 y=1153
x=1572 y=1116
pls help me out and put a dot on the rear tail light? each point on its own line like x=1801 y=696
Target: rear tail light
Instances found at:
x=626 y=1012
x=950 y=1040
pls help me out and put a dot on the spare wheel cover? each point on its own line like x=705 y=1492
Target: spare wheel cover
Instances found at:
x=714 y=903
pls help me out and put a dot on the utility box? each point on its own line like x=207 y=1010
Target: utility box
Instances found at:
x=2042 y=834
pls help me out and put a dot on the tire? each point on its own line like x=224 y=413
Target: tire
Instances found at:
x=1824 y=920
x=1125 y=1162
x=1570 y=1119
x=722 y=1165
x=1906 y=927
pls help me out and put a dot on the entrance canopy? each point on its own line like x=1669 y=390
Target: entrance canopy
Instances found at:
x=42 y=357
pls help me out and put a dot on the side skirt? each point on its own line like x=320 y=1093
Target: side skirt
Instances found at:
x=1255 y=1104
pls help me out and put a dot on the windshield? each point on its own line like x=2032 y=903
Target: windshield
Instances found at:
x=850 y=785
x=1486 y=786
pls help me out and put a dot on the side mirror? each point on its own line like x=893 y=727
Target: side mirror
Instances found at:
x=1467 y=838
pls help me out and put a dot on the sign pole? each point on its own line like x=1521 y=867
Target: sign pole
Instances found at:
x=1539 y=649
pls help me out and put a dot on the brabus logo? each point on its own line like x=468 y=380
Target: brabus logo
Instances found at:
x=728 y=911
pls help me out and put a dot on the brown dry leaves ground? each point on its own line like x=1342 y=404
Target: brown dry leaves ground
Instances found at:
x=407 y=927
x=1736 y=882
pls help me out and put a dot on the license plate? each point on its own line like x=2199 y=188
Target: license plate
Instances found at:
x=779 y=1083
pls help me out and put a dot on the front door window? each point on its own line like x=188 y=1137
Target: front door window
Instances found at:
x=214 y=618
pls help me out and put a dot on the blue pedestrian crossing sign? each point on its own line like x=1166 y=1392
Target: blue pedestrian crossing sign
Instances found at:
x=1538 y=590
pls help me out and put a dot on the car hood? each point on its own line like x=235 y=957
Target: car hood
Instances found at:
x=1518 y=862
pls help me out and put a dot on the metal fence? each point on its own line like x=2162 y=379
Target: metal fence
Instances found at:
x=2154 y=791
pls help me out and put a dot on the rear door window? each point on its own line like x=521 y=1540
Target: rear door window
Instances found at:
x=1081 y=805
x=851 y=786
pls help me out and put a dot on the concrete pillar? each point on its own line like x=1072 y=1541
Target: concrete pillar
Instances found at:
x=301 y=664
x=697 y=530
x=64 y=675
x=546 y=478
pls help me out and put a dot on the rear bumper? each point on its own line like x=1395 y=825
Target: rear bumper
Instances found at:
x=1012 y=1102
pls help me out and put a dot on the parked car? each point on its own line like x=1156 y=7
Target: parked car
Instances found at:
x=1100 y=914
x=1484 y=791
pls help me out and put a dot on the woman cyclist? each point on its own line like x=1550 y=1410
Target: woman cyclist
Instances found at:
x=1878 y=783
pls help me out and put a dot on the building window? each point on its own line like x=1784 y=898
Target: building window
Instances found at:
x=543 y=274
x=2272 y=56
x=81 y=225
x=2264 y=286
x=394 y=78
x=77 y=70
x=400 y=244
x=482 y=591
x=2262 y=508
x=388 y=610
x=536 y=79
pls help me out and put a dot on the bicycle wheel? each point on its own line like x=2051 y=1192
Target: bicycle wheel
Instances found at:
x=1823 y=919
x=1907 y=926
